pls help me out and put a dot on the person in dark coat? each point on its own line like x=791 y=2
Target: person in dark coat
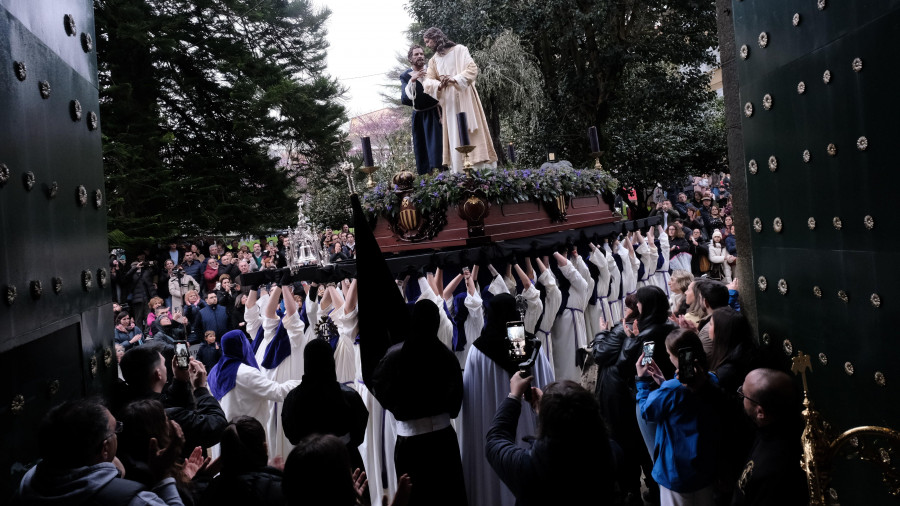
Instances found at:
x=321 y=405
x=212 y=317
x=427 y=132
x=612 y=350
x=140 y=282
x=246 y=477
x=571 y=461
x=420 y=383
x=187 y=399
x=209 y=351
x=166 y=331
x=771 y=474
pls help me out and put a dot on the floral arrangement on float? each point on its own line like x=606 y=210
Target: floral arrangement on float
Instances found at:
x=434 y=193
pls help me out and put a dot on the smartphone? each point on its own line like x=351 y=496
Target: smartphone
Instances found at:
x=182 y=355
x=648 y=352
x=686 y=360
x=515 y=334
x=465 y=271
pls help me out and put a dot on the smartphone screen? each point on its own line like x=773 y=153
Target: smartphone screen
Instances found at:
x=515 y=333
x=648 y=352
x=182 y=355
x=685 y=364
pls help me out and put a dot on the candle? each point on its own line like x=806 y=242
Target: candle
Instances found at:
x=367 y=152
x=551 y=156
x=462 y=125
x=595 y=139
x=511 y=153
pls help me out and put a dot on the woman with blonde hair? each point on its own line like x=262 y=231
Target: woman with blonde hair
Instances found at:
x=678 y=285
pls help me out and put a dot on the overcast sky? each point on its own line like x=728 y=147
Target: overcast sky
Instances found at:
x=365 y=37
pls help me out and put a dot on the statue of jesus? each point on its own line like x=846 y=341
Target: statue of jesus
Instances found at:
x=451 y=78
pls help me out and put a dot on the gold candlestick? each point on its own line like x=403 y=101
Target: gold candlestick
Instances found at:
x=370 y=183
x=597 y=155
x=467 y=165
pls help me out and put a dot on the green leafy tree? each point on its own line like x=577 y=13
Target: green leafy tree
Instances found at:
x=197 y=97
x=633 y=68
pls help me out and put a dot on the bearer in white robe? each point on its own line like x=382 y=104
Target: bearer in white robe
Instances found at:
x=568 y=331
x=600 y=307
x=552 y=300
x=486 y=384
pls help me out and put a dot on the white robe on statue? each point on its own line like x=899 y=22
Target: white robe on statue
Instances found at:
x=460 y=97
x=569 y=333
x=485 y=386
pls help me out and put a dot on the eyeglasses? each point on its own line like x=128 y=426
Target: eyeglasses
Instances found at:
x=117 y=430
x=740 y=392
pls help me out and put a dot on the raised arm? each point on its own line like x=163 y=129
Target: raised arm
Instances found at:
x=272 y=303
x=350 y=301
x=451 y=286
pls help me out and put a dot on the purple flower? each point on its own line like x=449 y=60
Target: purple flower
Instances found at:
x=389 y=207
x=434 y=194
x=422 y=184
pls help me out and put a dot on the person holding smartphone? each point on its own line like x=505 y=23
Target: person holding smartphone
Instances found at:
x=687 y=411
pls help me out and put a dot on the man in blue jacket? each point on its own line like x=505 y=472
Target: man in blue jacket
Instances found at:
x=427 y=132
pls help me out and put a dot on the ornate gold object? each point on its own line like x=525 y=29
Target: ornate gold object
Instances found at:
x=370 y=183
x=820 y=451
x=467 y=164
x=848 y=368
x=597 y=156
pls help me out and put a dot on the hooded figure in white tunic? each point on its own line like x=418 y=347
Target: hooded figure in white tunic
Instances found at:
x=569 y=332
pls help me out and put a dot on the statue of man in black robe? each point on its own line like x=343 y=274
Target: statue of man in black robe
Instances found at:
x=427 y=133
